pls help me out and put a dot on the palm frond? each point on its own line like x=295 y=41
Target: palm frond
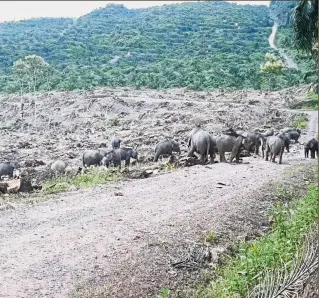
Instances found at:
x=289 y=280
x=305 y=17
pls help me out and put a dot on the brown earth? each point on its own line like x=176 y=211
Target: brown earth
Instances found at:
x=119 y=246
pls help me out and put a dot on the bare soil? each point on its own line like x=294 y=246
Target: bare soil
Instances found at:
x=94 y=243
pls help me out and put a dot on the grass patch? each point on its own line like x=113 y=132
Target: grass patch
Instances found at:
x=93 y=176
x=113 y=122
x=300 y=122
x=210 y=237
x=290 y=222
x=310 y=104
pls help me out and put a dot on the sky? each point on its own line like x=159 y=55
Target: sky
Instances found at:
x=20 y=10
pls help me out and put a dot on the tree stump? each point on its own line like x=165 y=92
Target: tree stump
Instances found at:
x=3 y=187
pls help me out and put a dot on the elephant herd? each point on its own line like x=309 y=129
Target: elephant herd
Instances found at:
x=200 y=144
x=206 y=145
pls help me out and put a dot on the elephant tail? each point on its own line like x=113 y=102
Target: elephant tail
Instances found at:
x=208 y=149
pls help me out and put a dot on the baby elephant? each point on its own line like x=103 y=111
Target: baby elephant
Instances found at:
x=58 y=167
x=294 y=135
x=275 y=146
x=166 y=147
x=122 y=154
x=6 y=169
x=286 y=138
x=311 y=145
x=116 y=143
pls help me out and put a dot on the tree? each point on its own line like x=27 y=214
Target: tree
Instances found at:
x=305 y=16
x=271 y=69
x=30 y=70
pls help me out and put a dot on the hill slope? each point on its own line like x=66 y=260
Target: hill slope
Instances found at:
x=198 y=45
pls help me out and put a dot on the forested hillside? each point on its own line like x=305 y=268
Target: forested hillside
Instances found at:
x=198 y=45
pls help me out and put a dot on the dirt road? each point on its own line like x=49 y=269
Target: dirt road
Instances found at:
x=94 y=237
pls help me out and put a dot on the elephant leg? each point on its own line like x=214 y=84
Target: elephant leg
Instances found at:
x=235 y=151
x=237 y=157
x=280 y=156
x=156 y=157
x=270 y=153
x=273 y=157
x=212 y=155
x=313 y=154
x=267 y=154
x=127 y=162
x=202 y=158
x=222 y=156
x=257 y=149
x=191 y=152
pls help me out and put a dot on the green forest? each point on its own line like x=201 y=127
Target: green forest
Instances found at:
x=199 y=45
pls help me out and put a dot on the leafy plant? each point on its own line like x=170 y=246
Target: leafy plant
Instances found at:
x=300 y=122
x=113 y=122
x=164 y=293
x=211 y=237
x=289 y=225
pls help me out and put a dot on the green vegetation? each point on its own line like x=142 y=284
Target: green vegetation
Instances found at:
x=200 y=45
x=113 y=122
x=164 y=293
x=290 y=223
x=305 y=23
x=211 y=237
x=92 y=177
x=310 y=104
x=313 y=96
x=306 y=65
x=300 y=122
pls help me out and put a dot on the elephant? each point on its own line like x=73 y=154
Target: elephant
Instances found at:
x=286 y=138
x=229 y=143
x=116 y=143
x=274 y=146
x=121 y=154
x=58 y=167
x=72 y=171
x=288 y=129
x=203 y=143
x=94 y=157
x=311 y=145
x=269 y=132
x=166 y=147
x=294 y=135
x=6 y=169
x=253 y=141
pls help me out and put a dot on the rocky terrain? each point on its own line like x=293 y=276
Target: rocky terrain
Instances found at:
x=97 y=243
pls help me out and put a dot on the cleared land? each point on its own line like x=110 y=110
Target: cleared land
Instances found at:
x=86 y=239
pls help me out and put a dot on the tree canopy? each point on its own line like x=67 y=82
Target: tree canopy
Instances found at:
x=199 y=45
